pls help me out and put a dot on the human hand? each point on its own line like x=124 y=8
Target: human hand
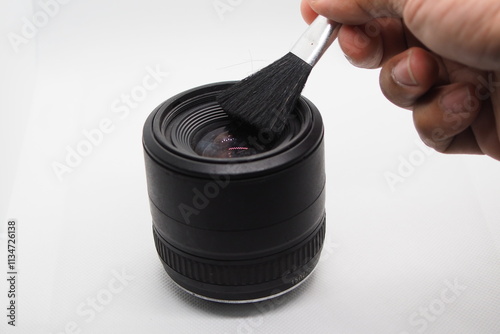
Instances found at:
x=440 y=59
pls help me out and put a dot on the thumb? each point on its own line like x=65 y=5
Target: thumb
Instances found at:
x=466 y=31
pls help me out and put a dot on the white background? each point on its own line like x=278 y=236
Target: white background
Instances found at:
x=391 y=253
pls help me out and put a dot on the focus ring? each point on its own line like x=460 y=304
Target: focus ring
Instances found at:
x=239 y=273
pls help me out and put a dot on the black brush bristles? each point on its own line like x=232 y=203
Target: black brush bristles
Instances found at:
x=266 y=99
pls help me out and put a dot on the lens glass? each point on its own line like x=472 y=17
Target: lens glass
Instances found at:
x=232 y=141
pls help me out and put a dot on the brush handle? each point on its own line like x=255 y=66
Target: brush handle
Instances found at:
x=315 y=40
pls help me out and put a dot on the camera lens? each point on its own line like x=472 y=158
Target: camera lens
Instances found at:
x=238 y=212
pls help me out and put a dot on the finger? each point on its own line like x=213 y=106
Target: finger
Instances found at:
x=360 y=49
x=370 y=45
x=496 y=101
x=464 y=143
x=358 y=11
x=485 y=129
x=408 y=76
x=307 y=12
x=445 y=112
x=480 y=138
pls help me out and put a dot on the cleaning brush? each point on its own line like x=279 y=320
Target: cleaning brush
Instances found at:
x=266 y=98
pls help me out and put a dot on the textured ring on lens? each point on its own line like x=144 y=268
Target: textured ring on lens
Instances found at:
x=238 y=213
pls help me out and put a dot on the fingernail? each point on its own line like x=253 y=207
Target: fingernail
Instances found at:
x=349 y=59
x=371 y=62
x=402 y=73
x=456 y=101
x=354 y=62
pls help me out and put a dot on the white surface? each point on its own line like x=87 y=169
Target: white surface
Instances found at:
x=390 y=255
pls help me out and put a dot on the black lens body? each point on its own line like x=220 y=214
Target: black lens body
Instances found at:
x=238 y=214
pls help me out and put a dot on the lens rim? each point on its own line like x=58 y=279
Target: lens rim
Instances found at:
x=159 y=146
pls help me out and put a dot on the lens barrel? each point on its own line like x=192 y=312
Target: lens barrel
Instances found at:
x=238 y=213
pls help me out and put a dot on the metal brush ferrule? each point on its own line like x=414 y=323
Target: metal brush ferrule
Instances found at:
x=315 y=40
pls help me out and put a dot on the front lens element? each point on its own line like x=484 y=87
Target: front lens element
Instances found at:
x=231 y=141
